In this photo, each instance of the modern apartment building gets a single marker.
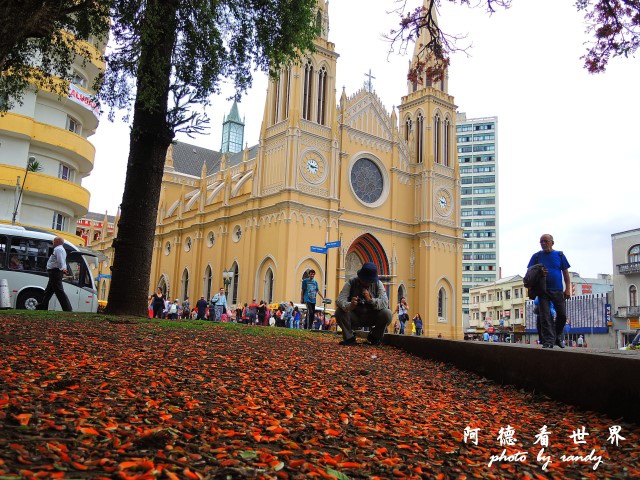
(477, 141)
(50, 132)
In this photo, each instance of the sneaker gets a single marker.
(560, 343)
(349, 341)
(547, 345)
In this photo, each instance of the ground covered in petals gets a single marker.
(95, 397)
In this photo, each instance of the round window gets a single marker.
(367, 180)
(237, 233)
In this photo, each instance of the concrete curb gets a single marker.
(605, 381)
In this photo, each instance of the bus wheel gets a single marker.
(29, 299)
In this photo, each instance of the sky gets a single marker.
(568, 141)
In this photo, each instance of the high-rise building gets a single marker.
(477, 141)
(52, 134)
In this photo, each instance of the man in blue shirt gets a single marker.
(308, 296)
(219, 303)
(556, 268)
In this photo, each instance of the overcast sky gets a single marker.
(568, 141)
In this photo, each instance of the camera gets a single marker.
(361, 301)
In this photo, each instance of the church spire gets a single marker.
(232, 131)
(422, 60)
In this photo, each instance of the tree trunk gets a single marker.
(150, 137)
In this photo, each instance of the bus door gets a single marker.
(78, 283)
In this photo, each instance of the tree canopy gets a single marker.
(36, 47)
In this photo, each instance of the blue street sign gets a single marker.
(318, 249)
(332, 244)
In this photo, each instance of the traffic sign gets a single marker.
(332, 244)
(318, 249)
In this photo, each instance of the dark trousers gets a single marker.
(54, 285)
(157, 310)
(378, 320)
(549, 330)
(311, 313)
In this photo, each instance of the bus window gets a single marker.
(32, 254)
(3, 250)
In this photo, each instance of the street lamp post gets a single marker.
(227, 277)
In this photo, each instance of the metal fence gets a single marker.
(585, 314)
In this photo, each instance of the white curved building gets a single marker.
(52, 131)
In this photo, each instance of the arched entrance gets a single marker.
(366, 248)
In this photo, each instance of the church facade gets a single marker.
(374, 185)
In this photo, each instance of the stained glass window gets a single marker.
(367, 181)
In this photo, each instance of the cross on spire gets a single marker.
(367, 84)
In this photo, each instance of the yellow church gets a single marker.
(332, 183)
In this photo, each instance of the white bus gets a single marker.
(23, 263)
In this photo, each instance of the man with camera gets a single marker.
(363, 302)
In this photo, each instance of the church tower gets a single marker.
(232, 131)
(299, 121)
(427, 127)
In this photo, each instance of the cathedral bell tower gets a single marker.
(299, 123)
(427, 125)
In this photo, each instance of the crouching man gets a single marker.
(363, 302)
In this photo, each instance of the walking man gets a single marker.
(556, 268)
(56, 268)
(308, 296)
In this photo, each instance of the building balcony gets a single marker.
(629, 268)
(68, 143)
(47, 189)
(628, 312)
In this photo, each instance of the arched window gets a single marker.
(268, 286)
(402, 292)
(234, 284)
(103, 290)
(446, 141)
(407, 130)
(306, 91)
(162, 285)
(436, 139)
(286, 79)
(633, 296)
(207, 282)
(634, 254)
(322, 95)
(275, 113)
(319, 21)
(419, 138)
(442, 303)
(184, 286)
